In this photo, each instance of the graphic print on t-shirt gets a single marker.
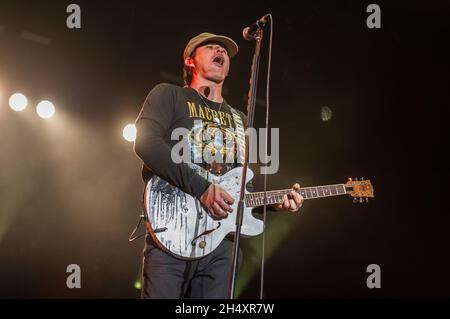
(212, 139)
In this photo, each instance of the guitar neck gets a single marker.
(276, 197)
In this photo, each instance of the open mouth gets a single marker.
(218, 60)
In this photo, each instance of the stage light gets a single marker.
(137, 285)
(326, 113)
(129, 133)
(18, 102)
(45, 109)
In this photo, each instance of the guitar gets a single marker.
(181, 225)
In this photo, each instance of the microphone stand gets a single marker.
(250, 116)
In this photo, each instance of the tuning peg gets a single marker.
(362, 178)
(361, 200)
(356, 179)
(367, 199)
(355, 200)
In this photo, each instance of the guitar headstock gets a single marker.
(361, 190)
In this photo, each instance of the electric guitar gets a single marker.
(181, 225)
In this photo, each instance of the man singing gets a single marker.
(197, 107)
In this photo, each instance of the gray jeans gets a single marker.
(168, 277)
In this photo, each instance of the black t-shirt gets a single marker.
(209, 126)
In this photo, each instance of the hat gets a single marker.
(229, 44)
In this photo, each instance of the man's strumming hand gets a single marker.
(217, 201)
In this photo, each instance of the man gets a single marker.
(167, 107)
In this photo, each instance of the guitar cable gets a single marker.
(261, 292)
(141, 218)
(131, 238)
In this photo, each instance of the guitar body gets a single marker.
(181, 225)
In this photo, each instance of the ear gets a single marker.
(189, 62)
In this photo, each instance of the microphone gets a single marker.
(249, 32)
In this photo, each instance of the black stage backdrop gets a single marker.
(350, 101)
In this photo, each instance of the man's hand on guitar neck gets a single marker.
(293, 203)
(217, 201)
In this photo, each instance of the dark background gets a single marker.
(70, 187)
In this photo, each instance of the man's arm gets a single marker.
(152, 125)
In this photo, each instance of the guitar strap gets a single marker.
(240, 135)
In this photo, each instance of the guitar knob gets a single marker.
(367, 199)
(362, 178)
(356, 178)
(355, 200)
(361, 199)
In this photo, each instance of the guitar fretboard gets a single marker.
(276, 197)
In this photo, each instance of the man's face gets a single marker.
(211, 61)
